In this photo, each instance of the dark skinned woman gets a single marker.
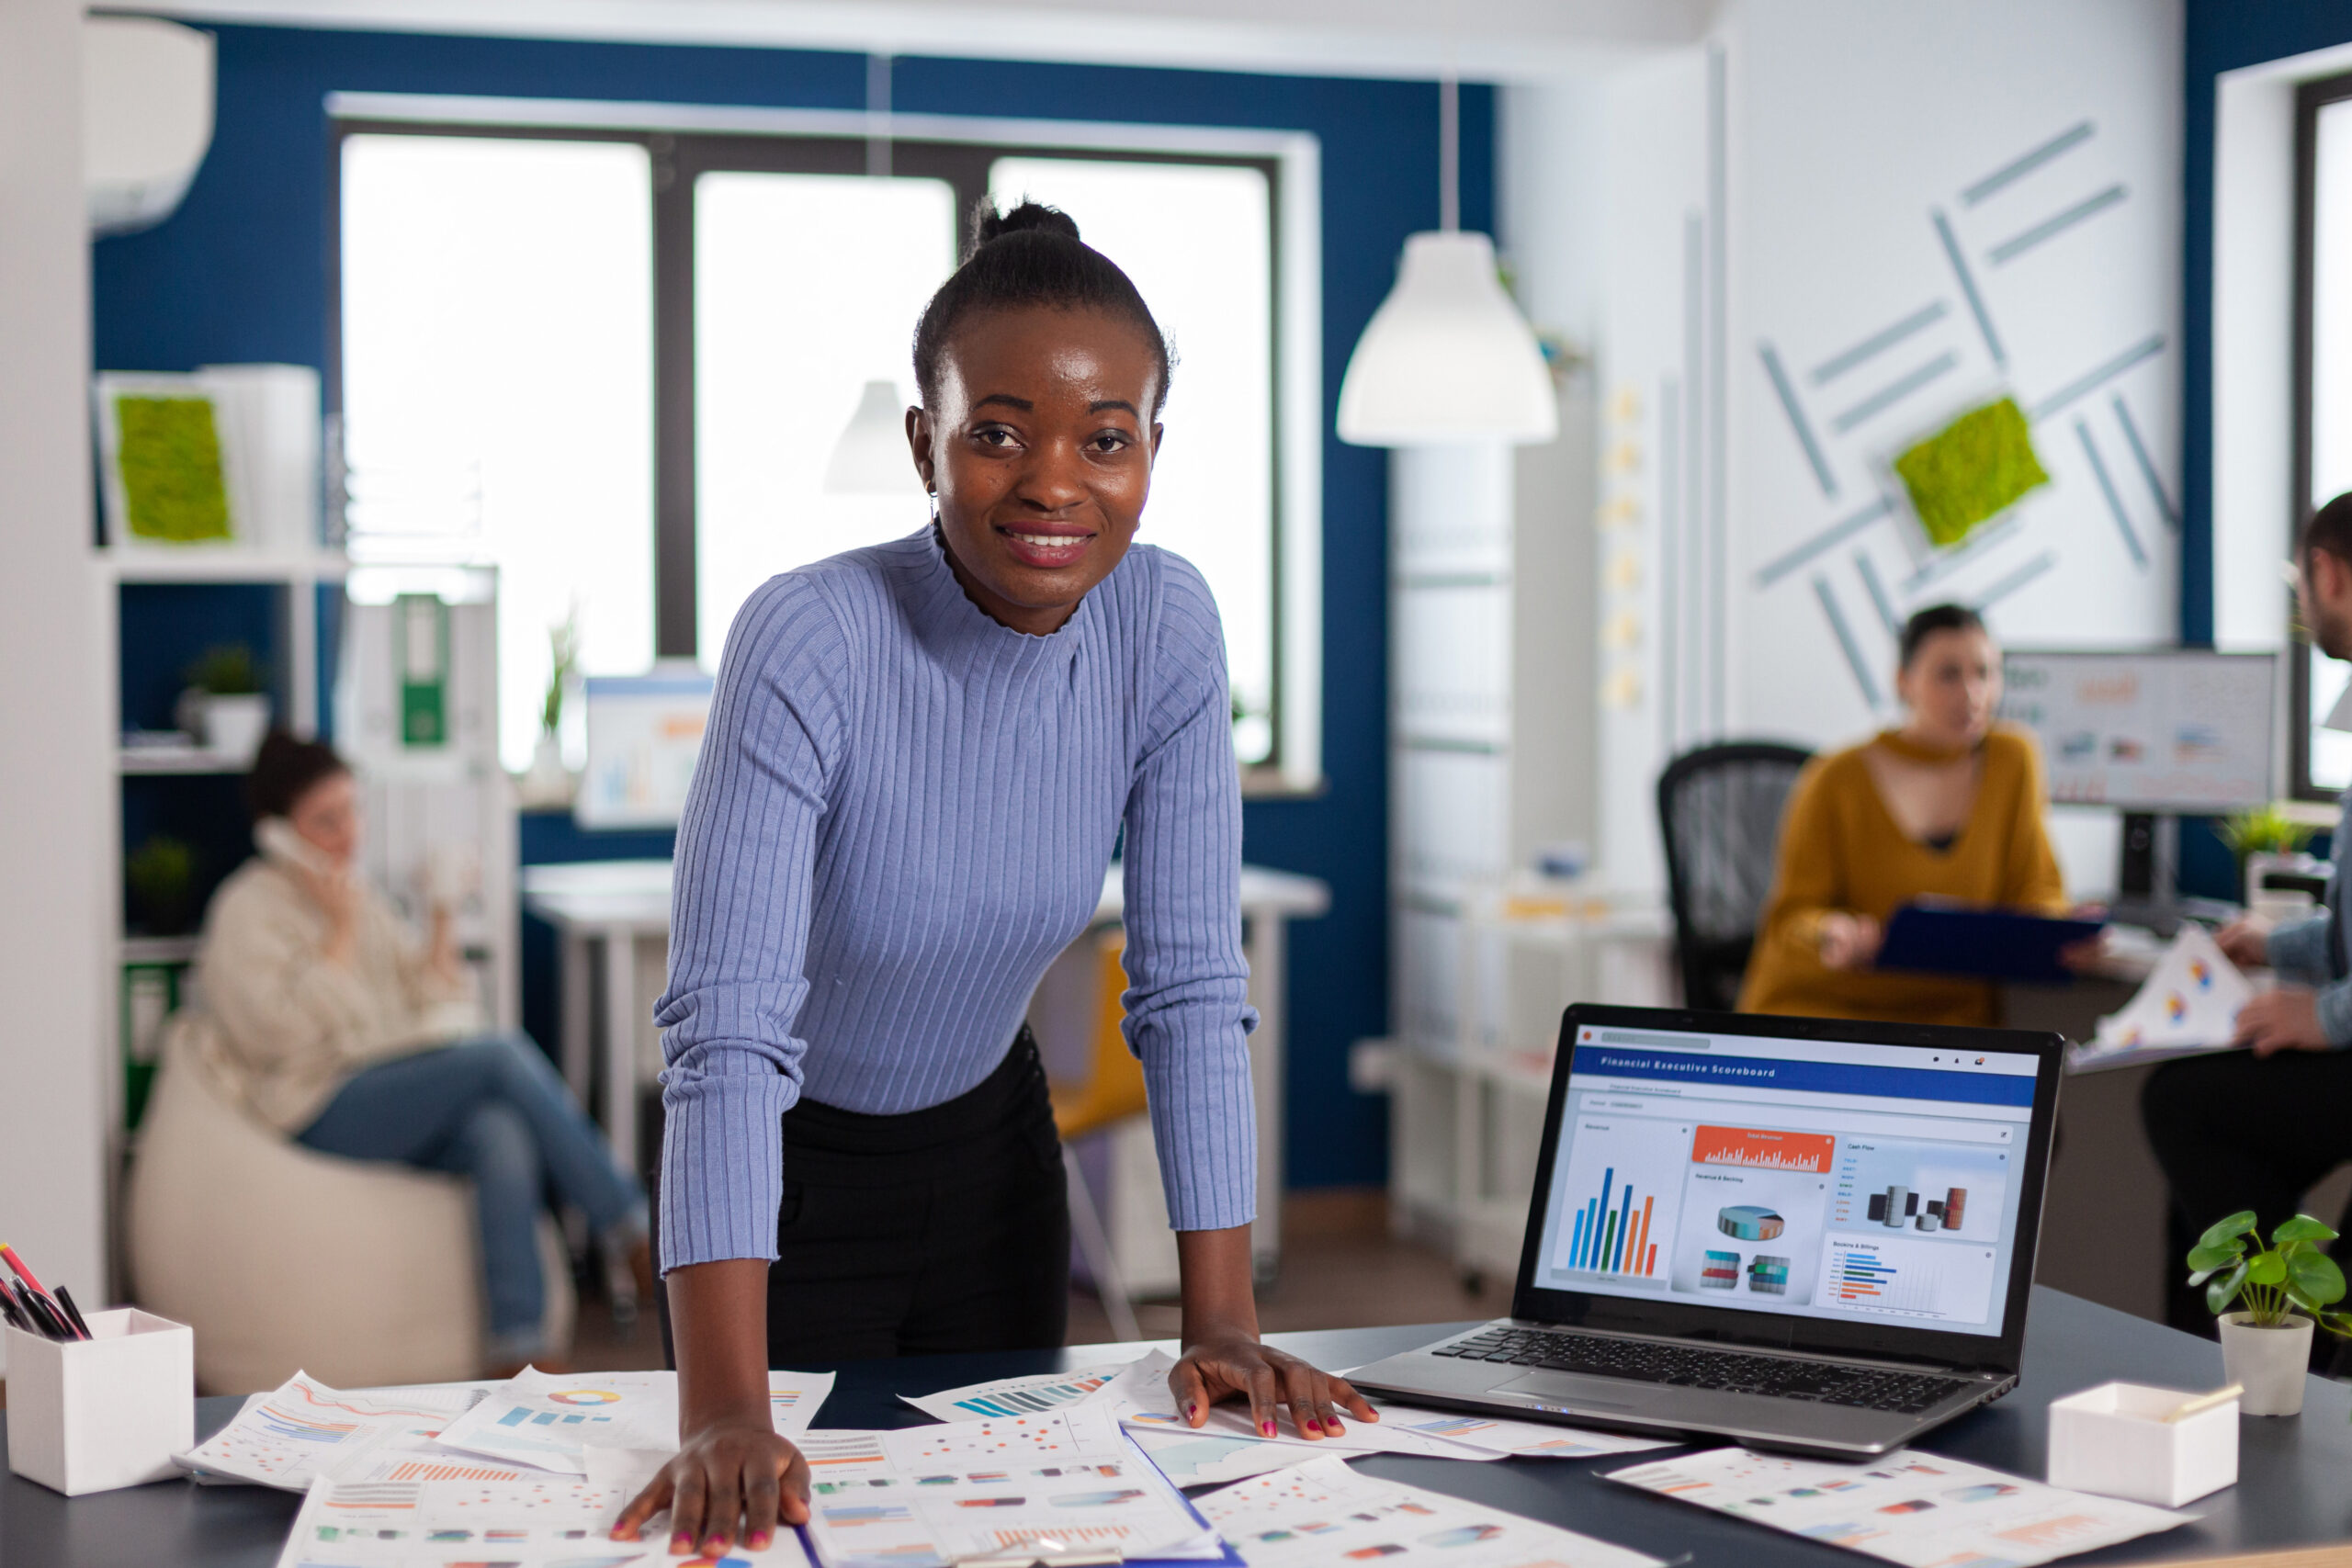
(919, 759)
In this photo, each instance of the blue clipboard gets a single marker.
(1981, 943)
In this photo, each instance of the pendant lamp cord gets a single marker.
(1449, 152)
(877, 115)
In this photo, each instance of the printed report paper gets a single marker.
(1921, 1510)
(542, 1521)
(287, 1436)
(1012, 1396)
(1062, 1480)
(548, 1420)
(1321, 1512)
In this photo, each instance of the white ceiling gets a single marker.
(1483, 39)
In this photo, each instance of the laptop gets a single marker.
(1805, 1234)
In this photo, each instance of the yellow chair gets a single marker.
(1113, 1093)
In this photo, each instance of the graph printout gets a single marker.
(1062, 1480)
(1138, 1399)
(1920, 1511)
(303, 1428)
(544, 1521)
(548, 1420)
(1322, 1512)
(1012, 1396)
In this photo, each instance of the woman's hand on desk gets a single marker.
(730, 1472)
(2283, 1020)
(1848, 941)
(1223, 1365)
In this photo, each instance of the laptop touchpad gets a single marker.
(1600, 1393)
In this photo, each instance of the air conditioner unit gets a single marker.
(146, 118)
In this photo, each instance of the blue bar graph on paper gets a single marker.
(515, 1417)
(573, 1420)
(545, 1419)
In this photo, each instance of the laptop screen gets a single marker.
(1859, 1183)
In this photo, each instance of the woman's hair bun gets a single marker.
(1030, 216)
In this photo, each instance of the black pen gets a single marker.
(32, 1309)
(73, 1312)
(8, 1310)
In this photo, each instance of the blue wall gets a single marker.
(239, 274)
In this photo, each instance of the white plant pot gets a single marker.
(234, 726)
(2270, 1363)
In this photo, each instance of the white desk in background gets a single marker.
(614, 906)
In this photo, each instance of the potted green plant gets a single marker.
(2263, 837)
(548, 782)
(159, 877)
(226, 705)
(2285, 1287)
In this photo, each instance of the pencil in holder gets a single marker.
(92, 1415)
(2127, 1440)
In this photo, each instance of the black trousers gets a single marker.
(2233, 1132)
(938, 1231)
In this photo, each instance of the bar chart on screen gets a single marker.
(1621, 1196)
(1908, 1278)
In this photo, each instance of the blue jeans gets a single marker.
(495, 1109)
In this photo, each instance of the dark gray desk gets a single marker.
(2292, 1489)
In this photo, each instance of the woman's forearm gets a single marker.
(718, 1322)
(1218, 1294)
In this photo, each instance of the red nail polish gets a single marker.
(1267, 1427)
(1191, 1412)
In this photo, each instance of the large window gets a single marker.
(615, 362)
(2321, 759)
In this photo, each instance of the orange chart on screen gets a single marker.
(1768, 1150)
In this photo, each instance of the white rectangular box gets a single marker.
(92, 1415)
(2112, 1441)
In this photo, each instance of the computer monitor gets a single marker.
(644, 735)
(2179, 731)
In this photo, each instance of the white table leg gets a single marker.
(575, 1026)
(620, 1042)
(1262, 946)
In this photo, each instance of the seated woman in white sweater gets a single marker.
(337, 1025)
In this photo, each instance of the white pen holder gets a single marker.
(2113, 1440)
(92, 1415)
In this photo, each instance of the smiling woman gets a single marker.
(919, 758)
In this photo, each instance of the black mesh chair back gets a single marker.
(1719, 810)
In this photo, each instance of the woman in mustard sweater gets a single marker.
(1948, 806)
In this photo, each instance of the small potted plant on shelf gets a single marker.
(2263, 837)
(2286, 1287)
(225, 706)
(160, 876)
(548, 783)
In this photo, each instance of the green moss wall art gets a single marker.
(169, 454)
(1971, 472)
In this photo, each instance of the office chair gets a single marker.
(1112, 1092)
(1719, 811)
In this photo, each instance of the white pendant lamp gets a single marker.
(871, 458)
(1447, 358)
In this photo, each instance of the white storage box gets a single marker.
(92, 1415)
(2113, 1440)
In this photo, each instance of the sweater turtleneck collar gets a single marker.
(1912, 751)
(945, 617)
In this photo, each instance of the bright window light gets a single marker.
(2331, 395)
(498, 386)
(807, 287)
(1197, 238)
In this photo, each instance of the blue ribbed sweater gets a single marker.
(903, 811)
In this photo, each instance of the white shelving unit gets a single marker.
(1492, 719)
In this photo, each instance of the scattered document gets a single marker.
(542, 1521)
(2188, 1006)
(288, 1437)
(1141, 1399)
(1067, 1480)
(1012, 1396)
(1322, 1512)
(1200, 1459)
(550, 1420)
(1917, 1509)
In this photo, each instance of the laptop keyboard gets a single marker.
(1723, 1371)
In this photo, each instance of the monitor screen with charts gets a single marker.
(1867, 1184)
(2180, 730)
